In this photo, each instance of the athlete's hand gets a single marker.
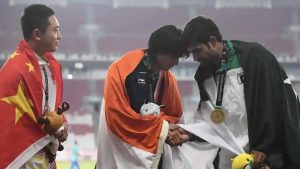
(259, 158)
(177, 136)
(174, 137)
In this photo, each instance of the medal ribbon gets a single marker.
(224, 68)
(152, 77)
(46, 91)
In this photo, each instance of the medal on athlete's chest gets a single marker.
(217, 116)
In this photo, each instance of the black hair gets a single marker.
(35, 17)
(167, 40)
(199, 30)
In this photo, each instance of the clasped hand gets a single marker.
(177, 136)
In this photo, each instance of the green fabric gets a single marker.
(233, 61)
(272, 109)
(148, 62)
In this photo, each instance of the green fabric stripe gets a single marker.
(233, 61)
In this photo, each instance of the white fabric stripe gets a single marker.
(211, 88)
(51, 85)
(224, 132)
(288, 81)
(115, 153)
(30, 151)
(191, 155)
(162, 139)
(234, 131)
(51, 89)
(196, 155)
(105, 158)
(234, 109)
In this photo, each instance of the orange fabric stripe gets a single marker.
(173, 110)
(140, 131)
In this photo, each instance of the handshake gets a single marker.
(177, 136)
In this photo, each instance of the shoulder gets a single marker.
(13, 69)
(253, 51)
(128, 62)
(253, 47)
(131, 57)
(15, 61)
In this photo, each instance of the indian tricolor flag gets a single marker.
(126, 138)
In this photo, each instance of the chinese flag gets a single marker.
(21, 95)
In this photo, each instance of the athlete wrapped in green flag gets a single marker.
(260, 109)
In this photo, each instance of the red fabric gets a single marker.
(140, 131)
(16, 76)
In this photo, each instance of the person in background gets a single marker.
(30, 87)
(74, 156)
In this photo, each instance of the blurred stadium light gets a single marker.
(295, 28)
(62, 3)
(243, 4)
(141, 3)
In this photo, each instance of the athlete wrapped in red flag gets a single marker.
(30, 86)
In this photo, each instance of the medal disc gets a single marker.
(217, 116)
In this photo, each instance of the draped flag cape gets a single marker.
(126, 138)
(21, 96)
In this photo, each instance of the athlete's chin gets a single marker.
(53, 49)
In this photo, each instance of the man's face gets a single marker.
(205, 55)
(50, 38)
(166, 61)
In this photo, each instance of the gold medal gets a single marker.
(217, 116)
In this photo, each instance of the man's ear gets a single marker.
(36, 34)
(212, 43)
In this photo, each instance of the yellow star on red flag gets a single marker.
(30, 67)
(12, 56)
(22, 104)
